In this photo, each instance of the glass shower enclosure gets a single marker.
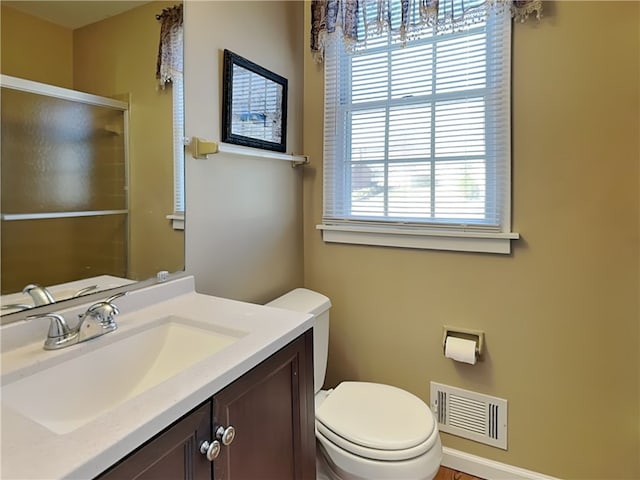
(64, 185)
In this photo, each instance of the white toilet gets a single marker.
(365, 431)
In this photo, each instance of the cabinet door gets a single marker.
(172, 455)
(272, 411)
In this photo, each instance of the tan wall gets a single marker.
(35, 49)
(244, 214)
(118, 56)
(561, 314)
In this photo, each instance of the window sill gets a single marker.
(468, 241)
(177, 220)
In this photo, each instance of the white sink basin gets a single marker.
(71, 394)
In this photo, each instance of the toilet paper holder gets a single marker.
(466, 333)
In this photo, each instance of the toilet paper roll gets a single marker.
(460, 350)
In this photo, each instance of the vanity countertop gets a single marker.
(31, 451)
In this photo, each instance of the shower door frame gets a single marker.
(30, 86)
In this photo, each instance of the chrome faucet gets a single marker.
(40, 295)
(96, 321)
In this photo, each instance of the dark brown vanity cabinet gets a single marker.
(173, 454)
(271, 411)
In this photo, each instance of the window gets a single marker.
(170, 68)
(417, 139)
(178, 151)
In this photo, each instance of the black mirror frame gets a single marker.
(228, 136)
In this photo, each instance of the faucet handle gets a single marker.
(114, 296)
(84, 291)
(13, 306)
(59, 332)
(58, 326)
(104, 311)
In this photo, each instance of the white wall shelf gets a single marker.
(49, 215)
(200, 149)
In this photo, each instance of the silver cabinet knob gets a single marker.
(225, 435)
(210, 450)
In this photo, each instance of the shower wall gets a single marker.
(64, 189)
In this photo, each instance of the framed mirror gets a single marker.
(254, 105)
(87, 48)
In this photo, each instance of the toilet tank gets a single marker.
(308, 301)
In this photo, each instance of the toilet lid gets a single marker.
(376, 416)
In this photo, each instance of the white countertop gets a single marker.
(31, 451)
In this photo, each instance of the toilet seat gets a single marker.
(376, 421)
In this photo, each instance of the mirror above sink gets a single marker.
(111, 55)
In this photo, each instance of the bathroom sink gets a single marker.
(71, 394)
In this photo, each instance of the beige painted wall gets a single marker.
(35, 49)
(244, 215)
(561, 313)
(118, 56)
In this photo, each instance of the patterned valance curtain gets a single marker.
(329, 16)
(170, 48)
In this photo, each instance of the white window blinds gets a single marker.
(178, 143)
(417, 135)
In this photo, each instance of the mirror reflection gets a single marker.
(91, 184)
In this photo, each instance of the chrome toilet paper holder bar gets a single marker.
(466, 333)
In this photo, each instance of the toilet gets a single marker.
(364, 431)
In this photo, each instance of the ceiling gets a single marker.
(73, 14)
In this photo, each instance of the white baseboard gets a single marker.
(485, 468)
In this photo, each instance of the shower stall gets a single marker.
(64, 196)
